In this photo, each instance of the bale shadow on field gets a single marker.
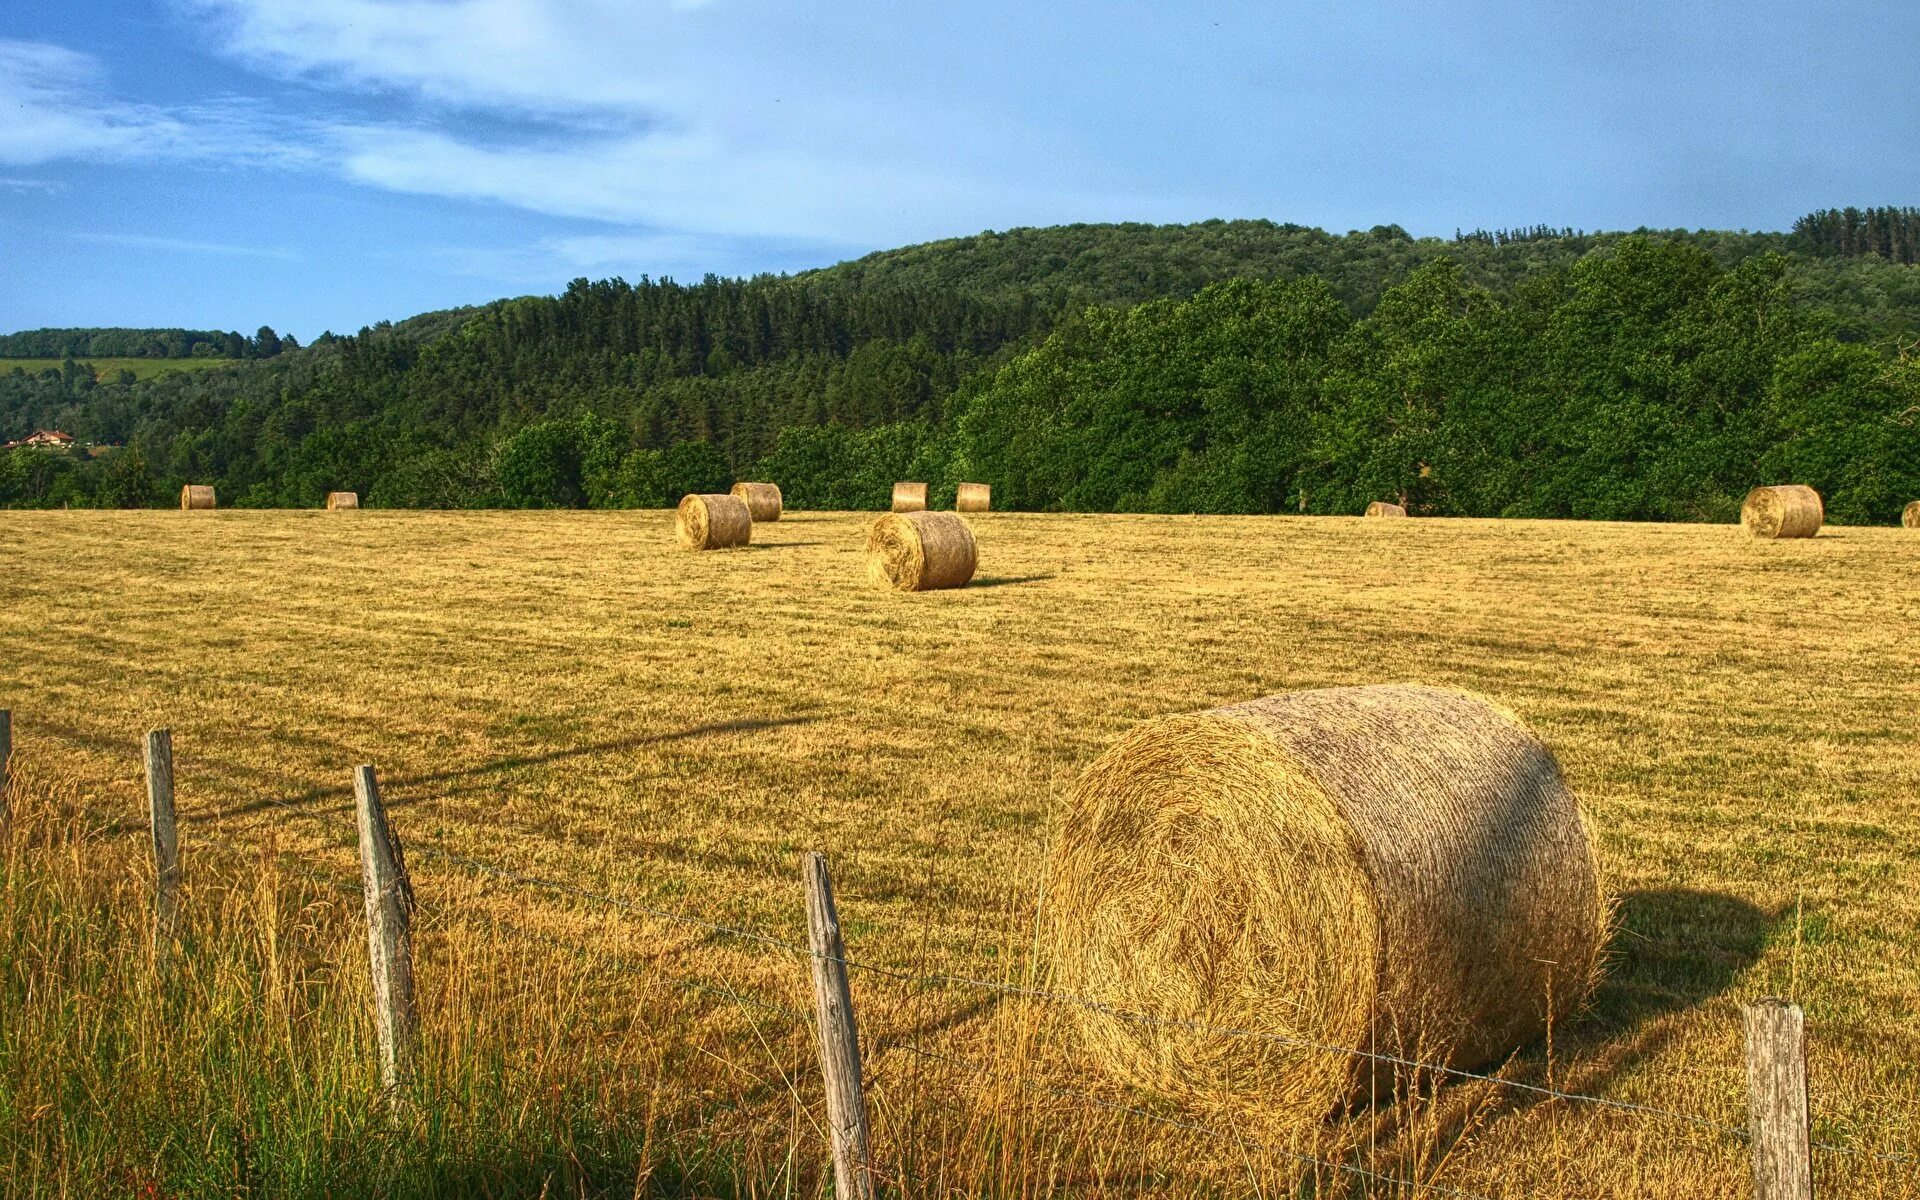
(1671, 951)
(394, 788)
(993, 581)
(776, 545)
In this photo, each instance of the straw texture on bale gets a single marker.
(1910, 516)
(909, 497)
(1393, 869)
(1790, 511)
(713, 522)
(973, 497)
(763, 500)
(1382, 508)
(921, 551)
(197, 495)
(343, 499)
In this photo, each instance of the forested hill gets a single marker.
(1225, 366)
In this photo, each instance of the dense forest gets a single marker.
(1889, 233)
(1221, 367)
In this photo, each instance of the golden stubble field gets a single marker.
(569, 695)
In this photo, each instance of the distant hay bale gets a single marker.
(1910, 516)
(909, 497)
(973, 498)
(1789, 511)
(196, 495)
(763, 500)
(1392, 868)
(1382, 508)
(921, 551)
(343, 499)
(713, 522)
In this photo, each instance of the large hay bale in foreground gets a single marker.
(1910, 516)
(763, 500)
(343, 500)
(713, 522)
(196, 495)
(1397, 869)
(921, 551)
(1383, 508)
(1790, 511)
(973, 498)
(909, 497)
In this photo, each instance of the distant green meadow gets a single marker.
(104, 369)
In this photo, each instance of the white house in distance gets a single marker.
(50, 439)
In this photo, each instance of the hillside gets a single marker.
(1532, 372)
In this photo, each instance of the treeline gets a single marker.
(1648, 376)
(1889, 233)
(142, 343)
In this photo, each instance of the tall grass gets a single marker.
(237, 1061)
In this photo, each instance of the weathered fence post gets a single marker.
(1777, 1096)
(166, 837)
(383, 877)
(839, 1038)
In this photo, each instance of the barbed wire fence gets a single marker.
(1777, 1132)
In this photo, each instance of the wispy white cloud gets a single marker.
(187, 246)
(53, 111)
(59, 107)
(650, 116)
(679, 116)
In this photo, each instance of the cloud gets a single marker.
(587, 55)
(700, 118)
(688, 182)
(661, 118)
(47, 93)
(57, 109)
(185, 246)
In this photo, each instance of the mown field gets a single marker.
(104, 369)
(569, 696)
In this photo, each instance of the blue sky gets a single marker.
(316, 164)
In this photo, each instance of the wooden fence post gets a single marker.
(166, 837)
(1777, 1096)
(389, 896)
(839, 1039)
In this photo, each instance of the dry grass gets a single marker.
(1736, 716)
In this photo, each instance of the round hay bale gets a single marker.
(1398, 870)
(1790, 511)
(713, 522)
(921, 551)
(1910, 516)
(196, 495)
(763, 500)
(343, 499)
(973, 498)
(909, 497)
(1383, 508)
